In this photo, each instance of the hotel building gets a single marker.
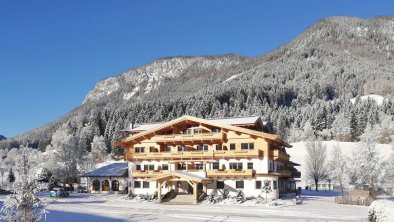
(192, 157)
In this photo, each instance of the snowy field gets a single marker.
(86, 207)
(298, 152)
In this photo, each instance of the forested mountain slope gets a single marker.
(302, 88)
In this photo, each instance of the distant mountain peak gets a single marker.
(2, 137)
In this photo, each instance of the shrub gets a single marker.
(381, 211)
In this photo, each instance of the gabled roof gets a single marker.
(182, 175)
(151, 131)
(235, 121)
(111, 170)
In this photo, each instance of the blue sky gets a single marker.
(53, 52)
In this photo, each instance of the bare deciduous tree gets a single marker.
(316, 161)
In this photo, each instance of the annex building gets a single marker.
(192, 156)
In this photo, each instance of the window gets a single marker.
(239, 184)
(181, 166)
(137, 184)
(164, 167)
(219, 184)
(215, 166)
(139, 149)
(145, 184)
(246, 146)
(275, 185)
(187, 131)
(149, 167)
(181, 148)
(232, 146)
(216, 130)
(258, 184)
(236, 166)
(138, 167)
(218, 147)
(197, 131)
(202, 147)
(198, 166)
(152, 149)
(167, 149)
(250, 165)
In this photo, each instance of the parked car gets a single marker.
(59, 192)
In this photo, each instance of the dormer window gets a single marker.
(197, 131)
(215, 130)
(187, 131)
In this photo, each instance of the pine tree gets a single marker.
(11, 176)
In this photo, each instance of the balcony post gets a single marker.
(159, 192)
(195, 192)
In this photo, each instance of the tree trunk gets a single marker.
(316, 183)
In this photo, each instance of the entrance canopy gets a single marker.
(179, 175)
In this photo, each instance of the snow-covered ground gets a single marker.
(298, 151)
(318, 206)
(377, 98)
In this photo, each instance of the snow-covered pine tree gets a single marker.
(24, 205)
(338, 168)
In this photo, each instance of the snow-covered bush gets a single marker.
(381, 211)
(225, 193)
(240, 196)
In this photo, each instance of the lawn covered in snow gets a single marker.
(298, 152)
(317, 206)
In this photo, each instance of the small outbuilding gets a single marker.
(107, 179)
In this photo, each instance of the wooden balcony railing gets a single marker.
(188, 137)
(280, 156)
(145, 173)
(230, 173)
(284, 171)
(196, 155)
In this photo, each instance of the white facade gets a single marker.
(250, 186)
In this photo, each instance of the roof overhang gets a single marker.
(151, 132)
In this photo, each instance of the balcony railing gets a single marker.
(188, 137)
(280, 155)
(284, 171)
(230, 173)
(197, 155)
(146, 173)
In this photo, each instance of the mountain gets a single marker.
(2, 137)
(310, 79)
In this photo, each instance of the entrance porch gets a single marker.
(181, 183)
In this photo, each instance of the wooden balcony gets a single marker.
(280, 156)
(145, 173)
(230, 173)
(188, 138)
(284, 171)
(196, 155)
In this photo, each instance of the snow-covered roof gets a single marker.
(236, 121)
(111, 170)
(226, 121)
